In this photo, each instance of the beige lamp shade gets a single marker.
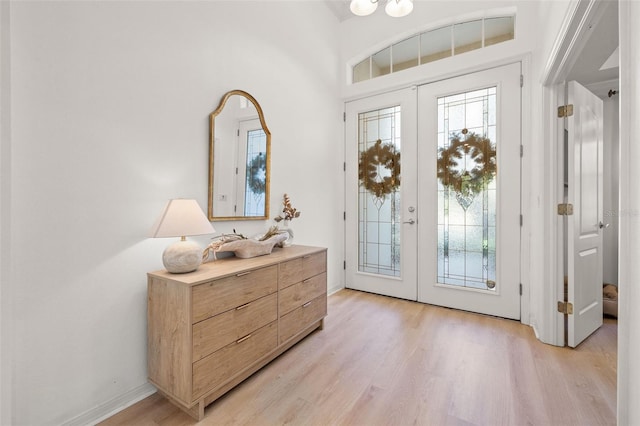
(181, 218)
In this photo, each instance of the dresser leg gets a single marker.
(200, 408)
(197, 411)
(321, 326)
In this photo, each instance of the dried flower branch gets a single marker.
(288, 212)
(270, 233)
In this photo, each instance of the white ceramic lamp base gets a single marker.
(182, 256)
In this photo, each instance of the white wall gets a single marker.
(109, 106)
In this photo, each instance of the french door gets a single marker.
(469, 250)
(443, 226)
(381, 203)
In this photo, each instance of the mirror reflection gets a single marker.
(239, 157)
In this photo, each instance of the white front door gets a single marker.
(445, 227)
(584, 226)
(381, 234)
(469, 192)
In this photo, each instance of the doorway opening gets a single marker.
(587, 56)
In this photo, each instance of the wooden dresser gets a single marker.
(210, 329)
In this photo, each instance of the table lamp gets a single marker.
(181, 218)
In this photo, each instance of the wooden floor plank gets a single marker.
(385, 361)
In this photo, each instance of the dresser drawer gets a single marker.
(216, 369)
(300, 269)
(297, 320)
(300, 293)
(228, 293)
(217, 332)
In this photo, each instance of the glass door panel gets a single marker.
(379, 191)
(466, 167)
(252, 169)
(256, 172)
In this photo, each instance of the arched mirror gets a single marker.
(239, 157)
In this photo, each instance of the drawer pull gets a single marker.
(306, 257)
(243, 274)
(306, 304)
(243, 306)
(243, 339)
(307, 280)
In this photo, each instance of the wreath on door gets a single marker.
(369, 168)
(453, 171)
(257, 174)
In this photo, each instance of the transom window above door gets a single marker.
(435, 44)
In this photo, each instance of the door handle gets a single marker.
(603, 225)
(410, 221)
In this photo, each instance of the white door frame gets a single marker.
(573, 36)
(629, 224)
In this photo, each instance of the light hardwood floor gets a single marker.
(384, 361)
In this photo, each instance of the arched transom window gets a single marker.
(435, 44)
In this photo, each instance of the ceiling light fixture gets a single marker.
(399, 8)
(394, 8)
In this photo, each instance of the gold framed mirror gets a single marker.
(239, 159)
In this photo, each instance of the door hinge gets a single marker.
(238, 132)
(565, 308)
(344, 215)
(344, 264)
(521, 80)
(344, 166)
(520, 289)
(565, 111)
(521, 151)
(565, 209)
(344, 117)
(521, 220)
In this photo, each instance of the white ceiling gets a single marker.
(340, 8)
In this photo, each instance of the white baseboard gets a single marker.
(334, 290)
(109, 408)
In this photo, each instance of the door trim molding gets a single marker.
(571, 39)
(526, 171)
